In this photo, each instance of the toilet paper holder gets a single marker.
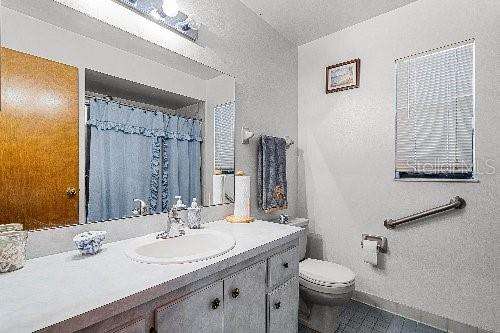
(381, 241)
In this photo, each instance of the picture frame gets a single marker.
(343, 76)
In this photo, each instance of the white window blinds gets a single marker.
(224, 137)
(435, 114)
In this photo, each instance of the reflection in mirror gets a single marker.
(223, 177)
(141, 155)
(90, 132)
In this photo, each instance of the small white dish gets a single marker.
(89, 242)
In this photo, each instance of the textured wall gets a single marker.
(446, 265)
(265, 67)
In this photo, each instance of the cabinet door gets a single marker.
(201, 311)
(283, 307)
(245, 300)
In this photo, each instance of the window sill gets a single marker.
(440, 180)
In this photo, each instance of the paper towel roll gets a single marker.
(242, 196)
(218, 189)
(370, 252)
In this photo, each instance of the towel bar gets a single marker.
(455, 203)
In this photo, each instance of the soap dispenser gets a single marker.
(194, 215)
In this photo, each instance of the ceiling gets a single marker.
(302, 21)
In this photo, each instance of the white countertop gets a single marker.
(51, 289)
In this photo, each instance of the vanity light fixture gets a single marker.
(167, 14)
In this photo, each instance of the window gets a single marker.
(224, 137)
(435, 114)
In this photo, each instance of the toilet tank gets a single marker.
(301, 223)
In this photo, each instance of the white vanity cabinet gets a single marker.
(258, 295)
(238, 303)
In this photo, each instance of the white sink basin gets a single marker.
(195, 245)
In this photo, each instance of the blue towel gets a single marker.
(272, 185)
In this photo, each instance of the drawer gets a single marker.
(282, 266)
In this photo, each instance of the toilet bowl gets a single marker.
(323, 286)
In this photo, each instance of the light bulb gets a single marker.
(170, 8)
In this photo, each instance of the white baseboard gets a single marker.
(421, 316)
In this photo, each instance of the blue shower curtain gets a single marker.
(136, 154)
(181, 161)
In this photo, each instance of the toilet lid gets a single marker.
(325, 273)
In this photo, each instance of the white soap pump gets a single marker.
(194, 215)
(176, 229)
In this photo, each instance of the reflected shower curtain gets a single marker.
(181, 161)
(120, 161)
(136, 154)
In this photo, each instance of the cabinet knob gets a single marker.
(235, 293)
(285, 265)
(277, 305)
(215, 303)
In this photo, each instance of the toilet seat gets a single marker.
(325, 277)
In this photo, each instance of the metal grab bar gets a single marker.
(455, 203)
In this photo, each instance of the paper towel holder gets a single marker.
(381, 241)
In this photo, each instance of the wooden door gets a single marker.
(201, 311)
(245, 301)
(38, 141)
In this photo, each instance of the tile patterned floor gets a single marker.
(357, 317)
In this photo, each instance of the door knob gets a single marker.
(71, 191)
(277, 305)
(285, 265)
(235, 293)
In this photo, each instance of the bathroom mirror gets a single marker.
(93, 130)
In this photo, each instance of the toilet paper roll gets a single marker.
(242, 196)
(218, 189)
(370, 252)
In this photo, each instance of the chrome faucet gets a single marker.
(142, 209)
(174, 225)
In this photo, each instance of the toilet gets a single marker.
(323, 286)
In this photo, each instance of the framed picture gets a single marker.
(342, 76)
